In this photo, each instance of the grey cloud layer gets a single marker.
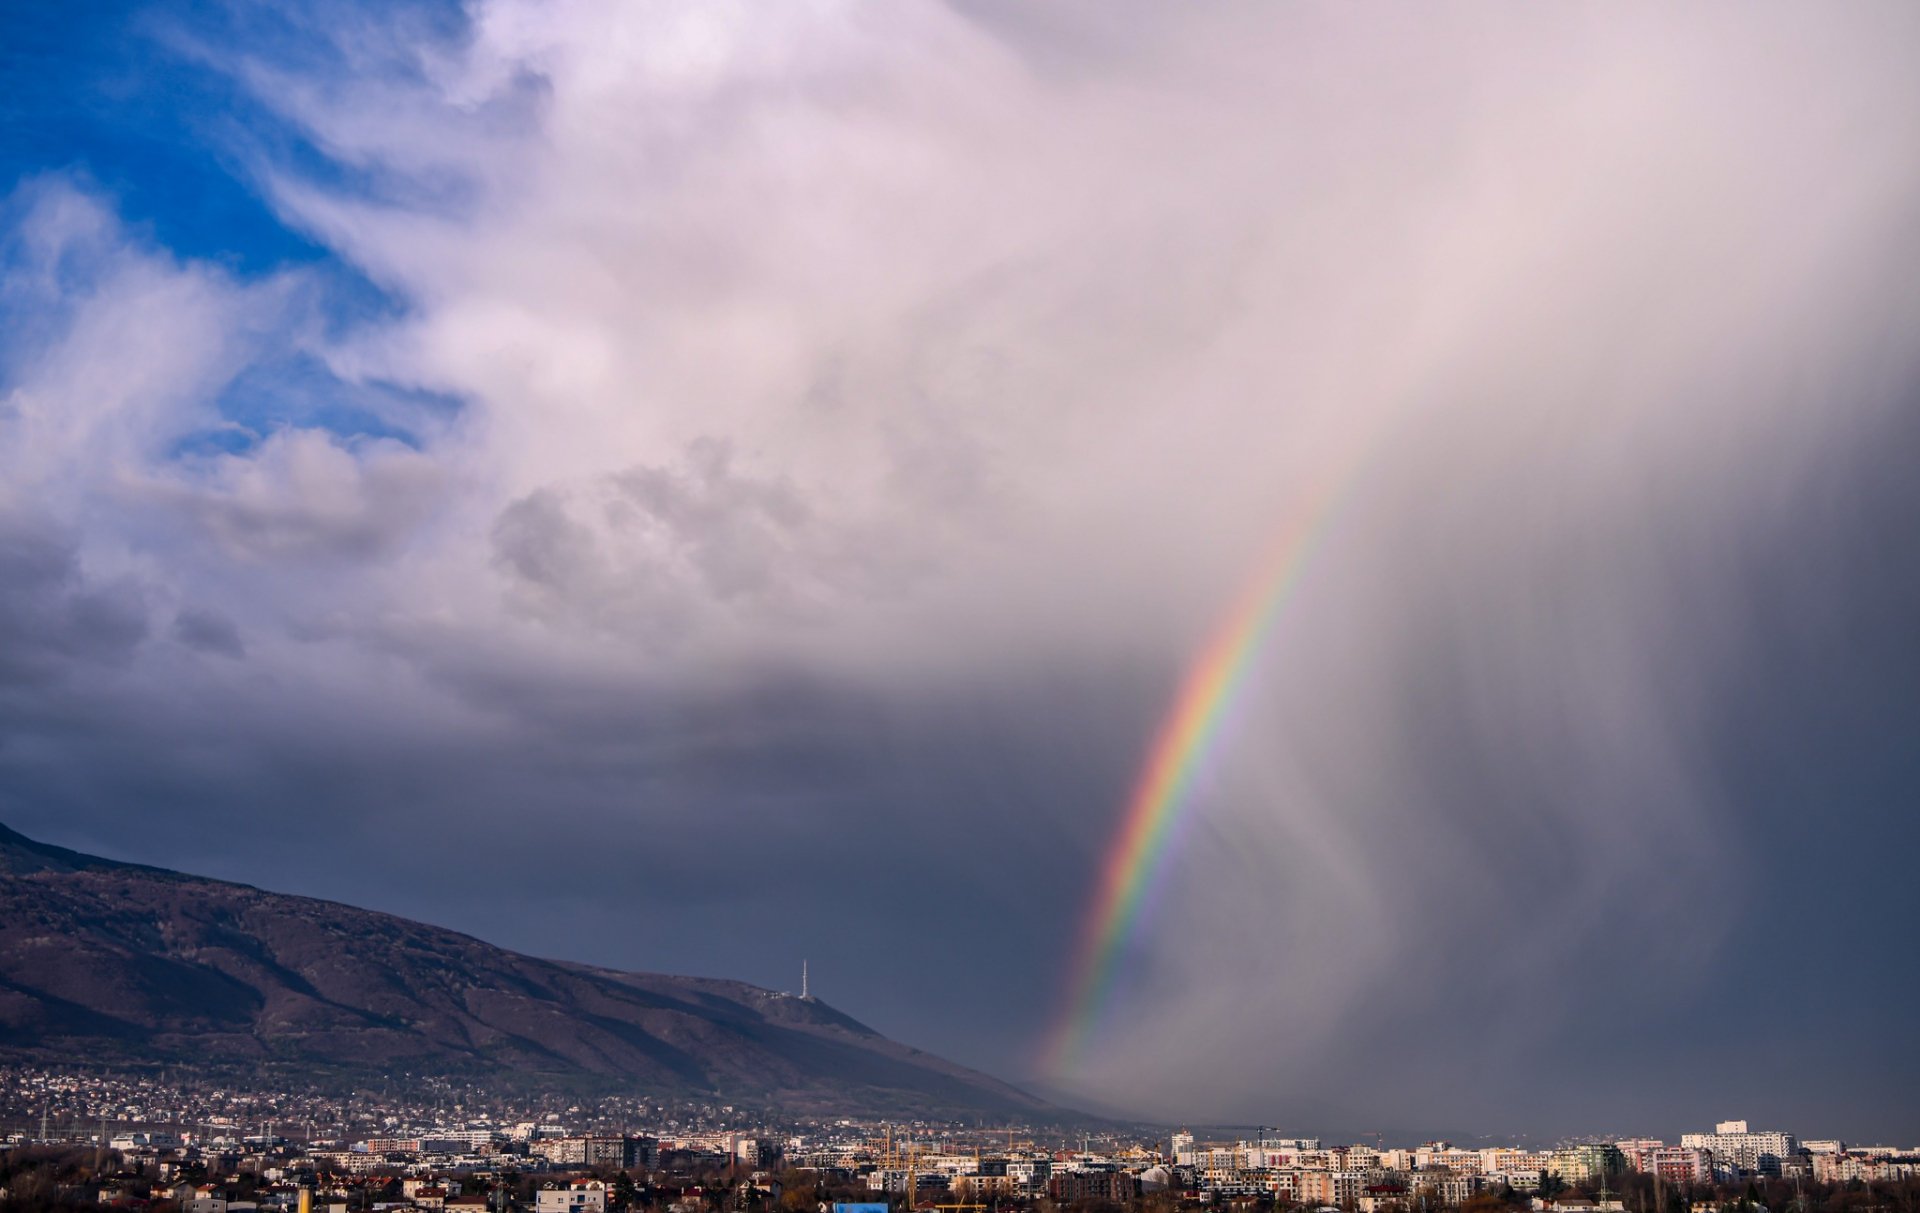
(863, 415)
(50, 615)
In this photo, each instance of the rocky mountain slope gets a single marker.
(114, 963)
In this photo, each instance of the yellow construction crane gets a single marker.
(893, 1160)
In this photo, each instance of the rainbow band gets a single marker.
(1186, 740)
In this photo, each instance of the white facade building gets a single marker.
(581, 1196)
(1732, 1143)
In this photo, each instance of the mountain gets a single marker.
(119, 964)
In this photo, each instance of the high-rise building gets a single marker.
(1733, 1144)
(1183, 1148)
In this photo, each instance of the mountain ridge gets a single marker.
(123, 963)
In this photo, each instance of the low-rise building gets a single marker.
(580, 1196)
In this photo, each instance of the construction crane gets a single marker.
(893, 1160)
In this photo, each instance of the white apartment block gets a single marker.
(1732, 1143)
(1460, 1162)
(1505, 1159)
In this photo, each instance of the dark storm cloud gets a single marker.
(1706, 946)
(728, 834)
(209, 632)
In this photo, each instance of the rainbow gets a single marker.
(1186, 740)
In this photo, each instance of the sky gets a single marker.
(697, 487)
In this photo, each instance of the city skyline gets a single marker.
(1343, 565)
(439, 1131)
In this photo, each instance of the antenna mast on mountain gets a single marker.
(803, 978)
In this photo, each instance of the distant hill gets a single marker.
(115, 963)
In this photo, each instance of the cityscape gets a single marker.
(959, 606)
(138, 1143)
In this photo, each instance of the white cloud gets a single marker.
(301, 494)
